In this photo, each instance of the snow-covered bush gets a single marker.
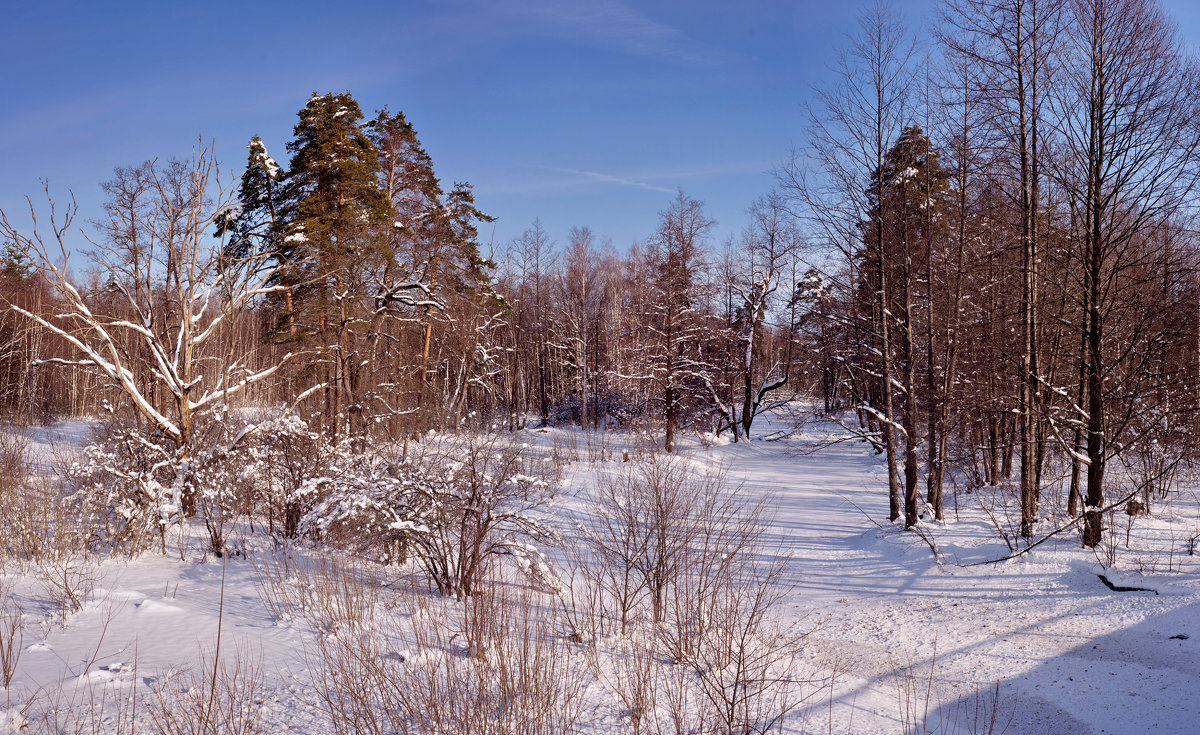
(128, 488)
(746, 657)
(566, 412)
(649, 516)
(278, 458)
(485, 497)
(222, 482)
(613, 407)
(367, 503)
(14, 457)
(131, 483)
(456, 503)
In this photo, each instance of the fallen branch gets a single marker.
(1119, 588)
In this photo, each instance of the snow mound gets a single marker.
(157, 607)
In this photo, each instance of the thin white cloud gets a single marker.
(609, 178)
(609, 24)
(710, 169)
(646, 179)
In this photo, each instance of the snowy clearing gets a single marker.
(897, 640)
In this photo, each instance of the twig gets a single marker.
(212, 693)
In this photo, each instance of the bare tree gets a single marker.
(178, 293)
(768, 246)
(533, 259)
(1009, 43)
(579, 297)
(958, 115)
(1129, 130)
(860, 114)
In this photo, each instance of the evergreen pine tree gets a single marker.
(15, 264)
(334, 217)
(254, 225)
(905, 194)
(335, 208)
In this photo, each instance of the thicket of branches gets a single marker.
(370, 298)
(1013, 280)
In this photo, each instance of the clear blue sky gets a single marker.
(580, 112)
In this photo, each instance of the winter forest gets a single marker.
(290, 445)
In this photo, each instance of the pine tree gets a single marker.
(334, 217)
(254, 224)
(370, 244)
(434, 239)
(904, 197)
(252, 219)
(15, 264)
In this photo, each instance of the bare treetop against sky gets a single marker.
(580, 113)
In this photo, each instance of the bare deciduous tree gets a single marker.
(857, 121)
(178, 296)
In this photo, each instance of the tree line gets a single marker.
(352, 284)
(981, 260)
(1010, 211)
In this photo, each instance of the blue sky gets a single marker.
(578, 112)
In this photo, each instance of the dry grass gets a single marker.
(223, 697)
(411, 663)
(12, 635)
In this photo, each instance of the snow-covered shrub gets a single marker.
(129, 486)
(280, 456)
(52, 541)
(485, 496)
(337, 594)
(14, 483)
(279, 469)
(1155, 463)
(367, 503)
(661, 527)
(131, 483)
(618, 408)
(566, 412)
(648, 518)
(614, 408)
(456, 503)
(633, 678)
(68, 577)
(222, 481)
(745, 656)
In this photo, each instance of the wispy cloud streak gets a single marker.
(610, 179)
(608, 24)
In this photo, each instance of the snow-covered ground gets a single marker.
(912, 641)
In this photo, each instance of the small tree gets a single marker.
(477, 497)
(769, 242)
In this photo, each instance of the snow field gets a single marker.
(896, 639)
